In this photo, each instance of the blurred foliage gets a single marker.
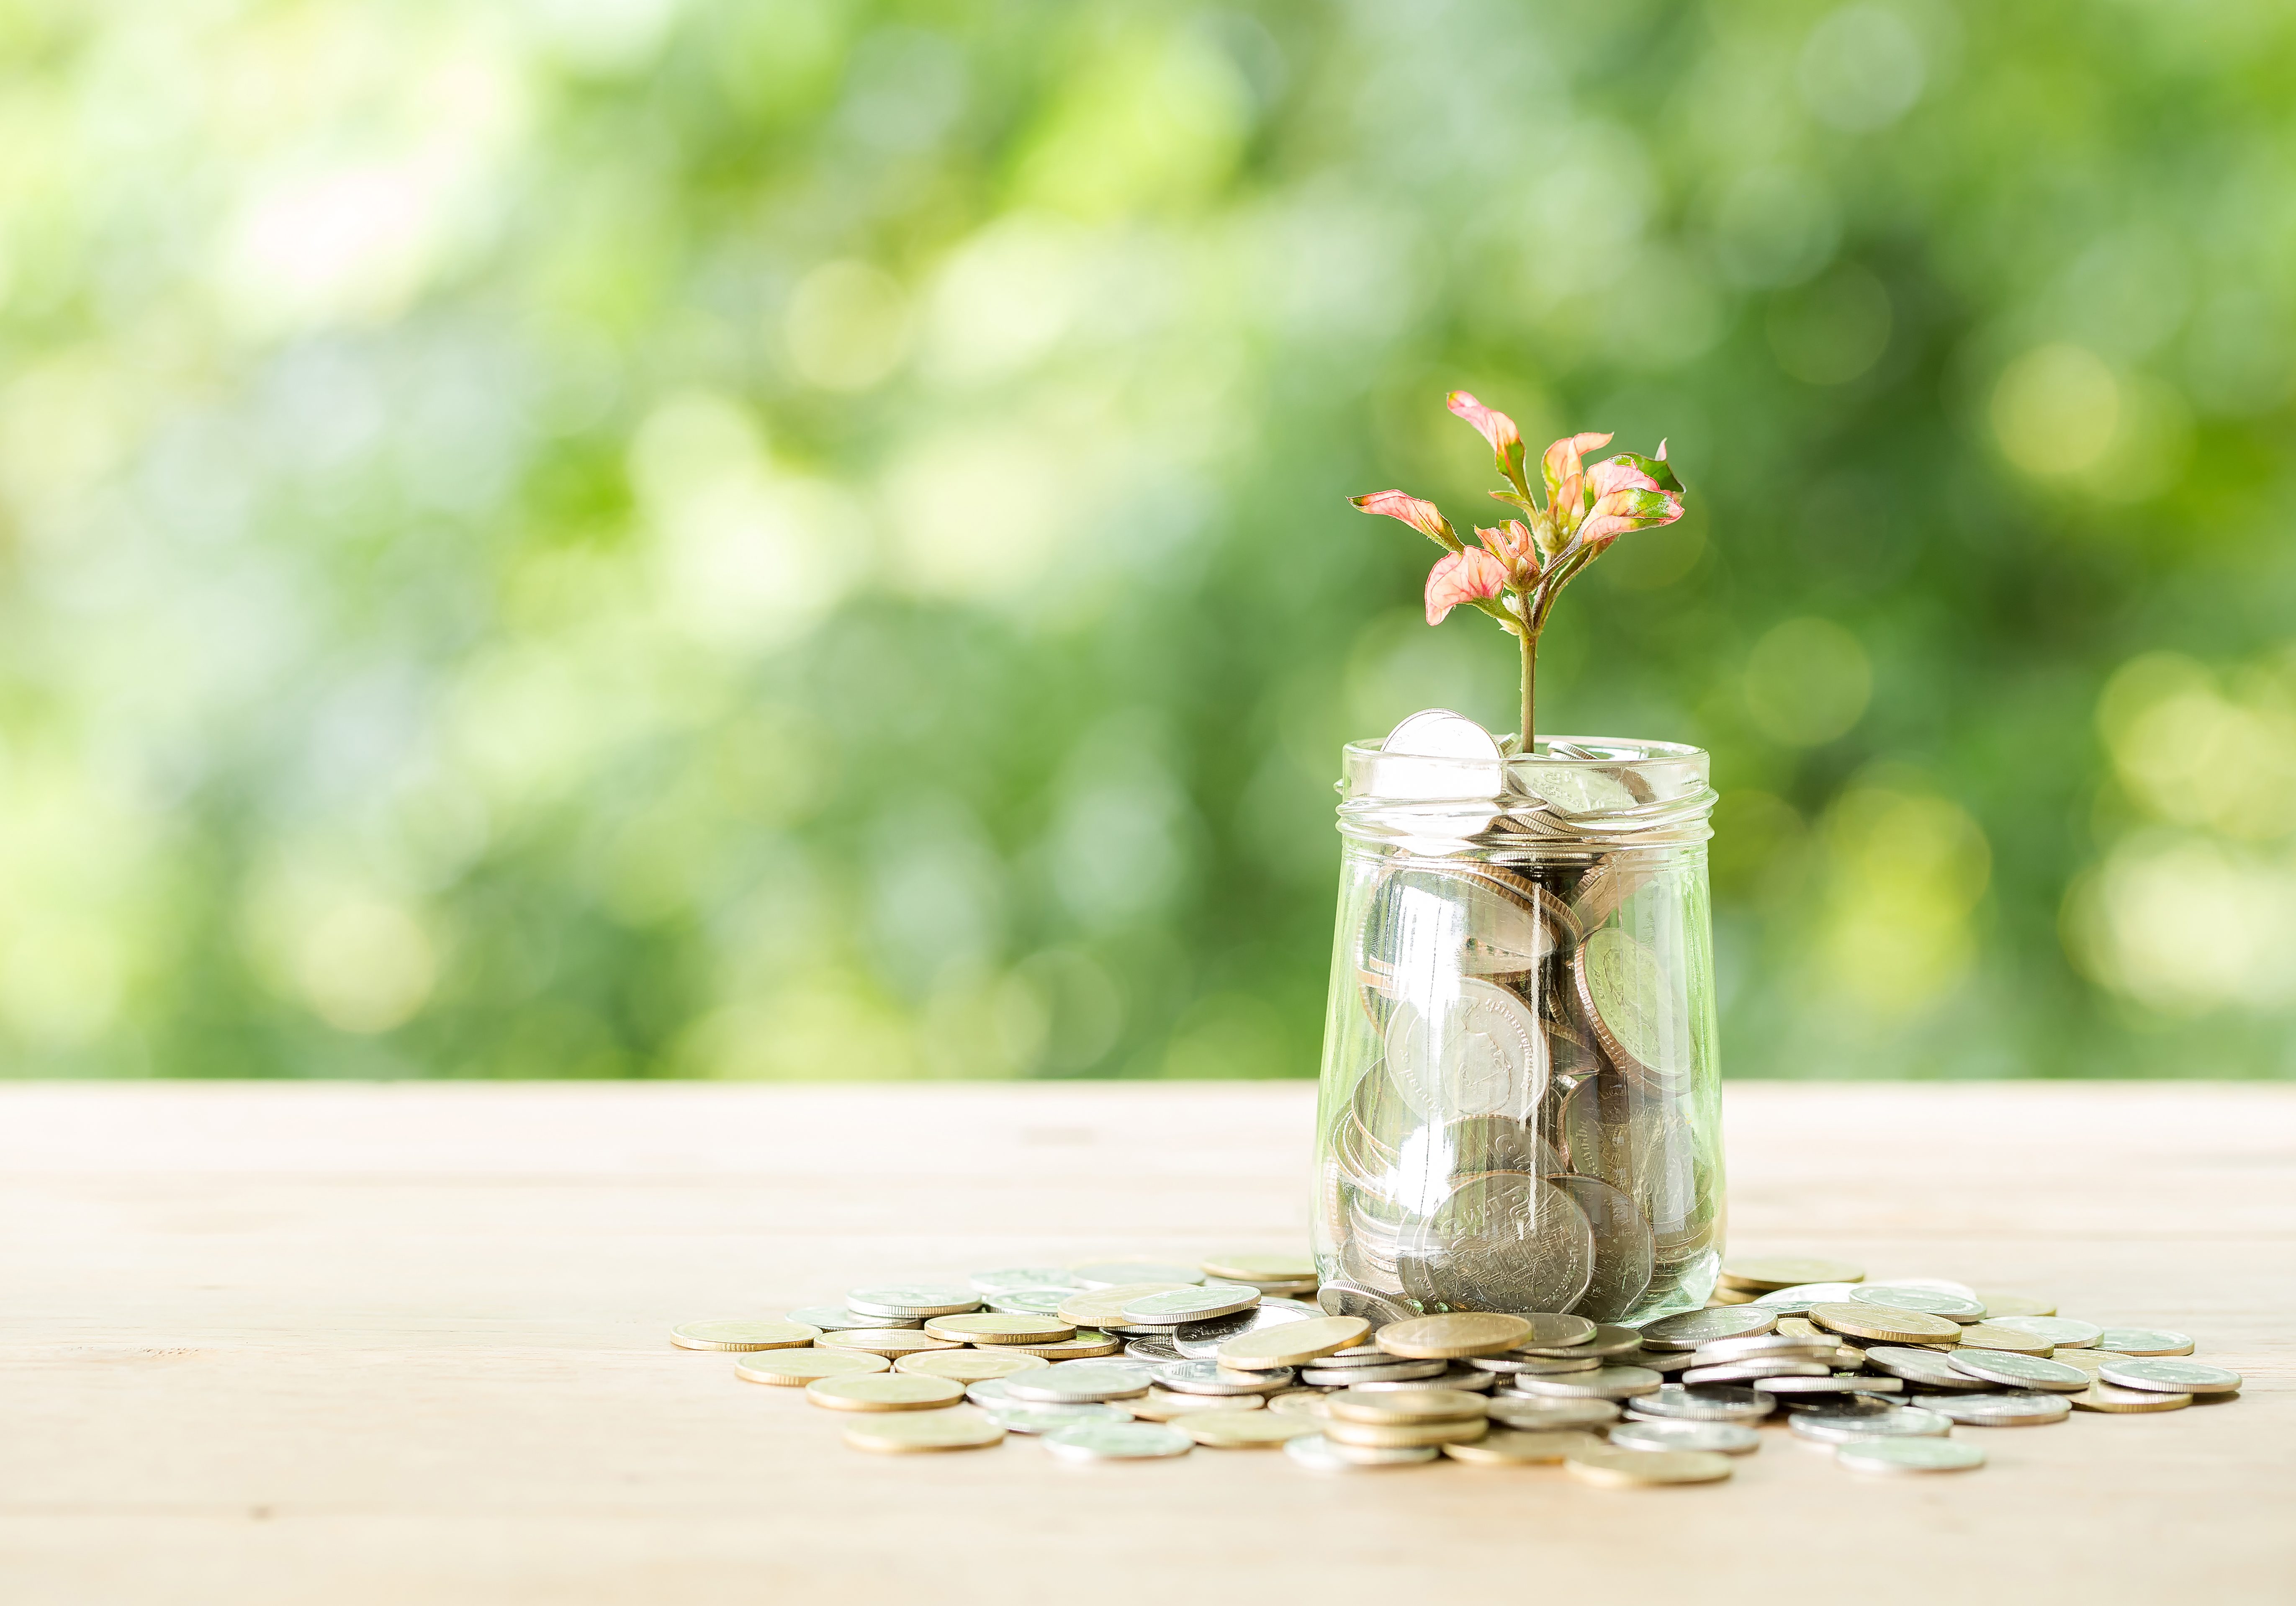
(806, 537)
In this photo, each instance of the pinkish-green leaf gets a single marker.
(1622, 511)
(1422, 516)
(1561, 464)
(1466, 576)
(1496, 428)
(1660, 472)
(1512, 542)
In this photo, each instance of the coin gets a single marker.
(1606, 1382)
(2112, 1398)
(1404, 1435)
(1157, 1350)
(1244, 1430)
(1747, 1372)
(795, 1368)
(2060, 1331)
(1767, 1274)
(1503, 1241)
(1163, 1404)
(1088, 1344)
(1720, 1438)
(1425, 1338)
(2144, 1340)
(1201, 1341)
(1078, 1382)
(1888, 1324)
(2171, 1377)
(1841, 1382)
(1899, 1296)
(1116, 1441)
(887, 1342)
(1404, 1404)
(969, 1365)
(1693, 1328)
(1926, 1368)
(1991, 1335)
(1604, 1341)
(1708, 1403)
(1102, 1274)
(1478, 1051)
(1909, 1455)
(1797, 1300)
(1008, 1279)
(1538, 1365)
(1019, 1416)
(912, 1299)
(1798, 1327)
(918, 1432)
(1999, 1305)
(1633, 1004)
(1632, 1469)
(1210, 1377)
(830, 1318)
(1320, 1454)
(884, 1391)
(1032, 1301)
(1175, 1306)
(742, 1335)
(1103, 1307)
(2021, 1370)
(1536, 1415)
(2012, 1410)
(1902, 1420)
(1837, 1405)
(995, 1328)
(1262, 1268)
(1340, 1299)
(1402, 1371)
(1506, 1446)
(1291, 1343)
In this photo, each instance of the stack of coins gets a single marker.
(1179, 1357)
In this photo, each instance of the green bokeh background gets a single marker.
(787, 539)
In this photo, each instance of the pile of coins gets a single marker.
(1131, 1360)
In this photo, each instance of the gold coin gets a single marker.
(742, 1335)
(1731, 1296)
(2109, 1396)
(1406, 1405)
(1245, 1429)
(1087, 1344)
(2088, 1360)
(795, 1368)
(887, 1342)
(1634, 1469)
(986, 1327)
(1262, 1268)
(968, 1365)
(1403, 1436)
(1766, 1273)
(1885, 1323)
(1447, 1338)
(1104, 1307)
(1300, 1402)
(1984, 1335)
(1797, 1327)
(919, 1433)
(1293, 1343)
(1162, 1404)
(885, 1391)
(1508, 1446)
(2015, 1305)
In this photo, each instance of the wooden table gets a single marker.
(329, 1344)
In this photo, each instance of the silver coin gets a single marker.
(1762, 1346)
(1909, 1455)
(2171, 1377)
(1670, 1362)
(1401, 1371)
(1469, 1379)
(1925, 1368)
(1477, 1049)
(1747, 1372)
(1796, 1301)
(836, 1318)
(1201, 1341)
(1723, 1438)
(1337, 1298)
(990, 1393)
(1017, 1416)
(1032, 1301)
(1210, 1377)
(2144, 1340)
(2005, 1410)
(1078, 1382)
(1551, 1415)
(1624, 1252)
(913, 1300)
(1538, 1365)
(1838, 1405)
(1507, 1241)
(1007, 1279)
(2019, 1371)
(1899, 1422)
(1159, 1351)
(1899, 1296)
(1179, 1304)
(1318, 1453)
(1841, 1382)
(1116, 1274)
(1604, 1382)
(1691, 1329)
(2060, 1331)
(1711, 1403)
(1604, 1341)
(1116, 1441)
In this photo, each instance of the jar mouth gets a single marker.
(1598, 791)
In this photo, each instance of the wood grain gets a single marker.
(406, 1344)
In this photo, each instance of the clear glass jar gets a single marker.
(1521, 1103)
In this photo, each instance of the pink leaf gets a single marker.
(1616, 475)
(1465, 576)
(1563, 461)
(1636, 509)
(1512, 542)
(1422, 516)
(1496, 428)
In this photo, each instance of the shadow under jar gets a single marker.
(1521, 1101)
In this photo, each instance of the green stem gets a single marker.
(1529, 682)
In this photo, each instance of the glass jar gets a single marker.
(1520, 1101)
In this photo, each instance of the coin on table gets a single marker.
(1767, 1274)
(1101, 1275)
(1635, 1468)
(1404, 1435)
(1799, 1327)
(2063, 1333)
(1796, 1301)
(884, 1391)
(1747, 1372)
(1116, 1441)
(1291, 1343)
(1300, 1402)
(1899, 1421)
(1006, 1280)
(1604, 1382)
(1690, 1329)
(1708, 1401)
(1841, 1382)
(1262, 1268)
(830, 1318)
(1765, 1345)
(1720, 1438)
(1341, 1298)
(1551, 1415)
(2014, 1340)
(742, 1335)
(2012, 1410)
(1201, 1341)
(913, 1300)
(1998, 1305)
(2112, 1398)
(1606, 1341)
(1031, 1301)
(1320, 1454)
(1885, 1323)
(2171, 1377)
(1210, 1377)
(887, 1342)
(1157, 1350)
(1838, 1405)
(1103, 1307)
(2087, 1360)
(1506, 1446)
(1085, 1345)
(1404, 1404)
(1909, 1455)
(1537, 1365)
(2020, 1371)
(1622, 989)
(1179, 1305)
(1019, 1416)
(1401, 1371)
(1244, 1430)
(921, 1432)
(1166, 1404)
(1551, 1329)
(991, 1327)
(1924, 1368)
(969, 1365)
(2144, 1340)
(1436, 1338)
(795, 1368)
(1929, 1301)
(1078, 1382)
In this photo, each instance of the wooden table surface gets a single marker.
(339, 1344)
